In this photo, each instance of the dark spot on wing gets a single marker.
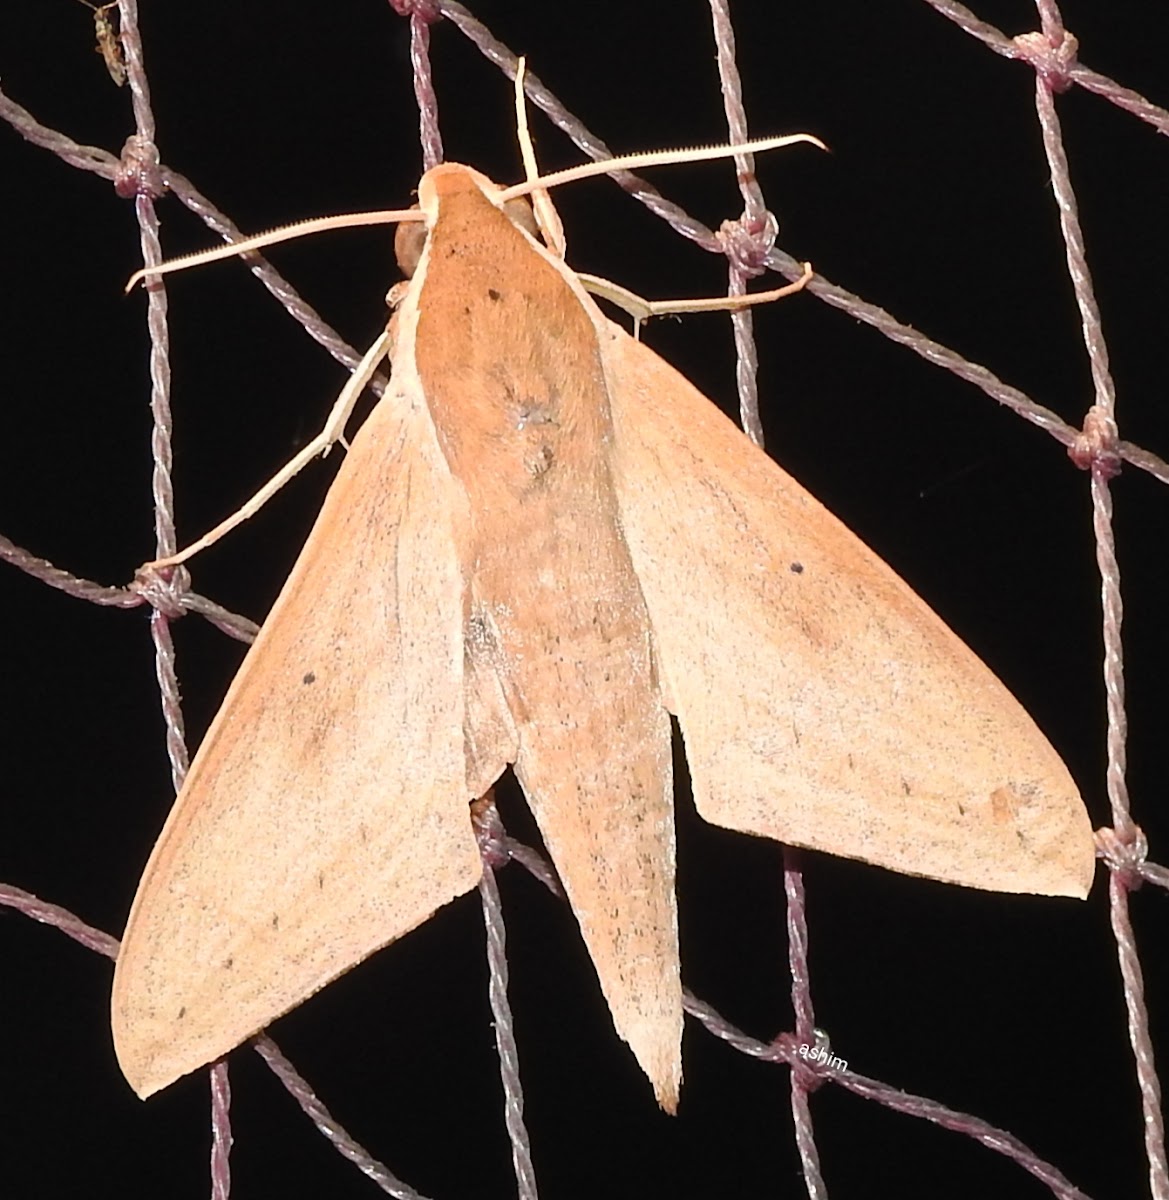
(309, 677)
(540, 462)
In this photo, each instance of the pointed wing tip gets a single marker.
(151, 1061)
(1056, 869)
(150, 1067)
(145, 1088)
(1065, 862)
(1075, 880)
(1069, 884)
(1082, 874)
(143, 1072)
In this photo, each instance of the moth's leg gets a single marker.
(548, 219)
(641, 309)
(332, 432)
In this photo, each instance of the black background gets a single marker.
(934, 203)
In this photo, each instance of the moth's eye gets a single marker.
(408, 244)
(520, 213)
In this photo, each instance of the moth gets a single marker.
(543, 543)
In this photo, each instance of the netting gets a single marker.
(937, 204)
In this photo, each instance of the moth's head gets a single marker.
(445, 182)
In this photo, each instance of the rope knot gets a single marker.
(164, 590)
(138, 172)
(427, 11)
(1053, 60)
(1096, 447)
(1125, 853)
(748, 241)
(804, 1059)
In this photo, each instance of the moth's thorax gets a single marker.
(506, 355)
